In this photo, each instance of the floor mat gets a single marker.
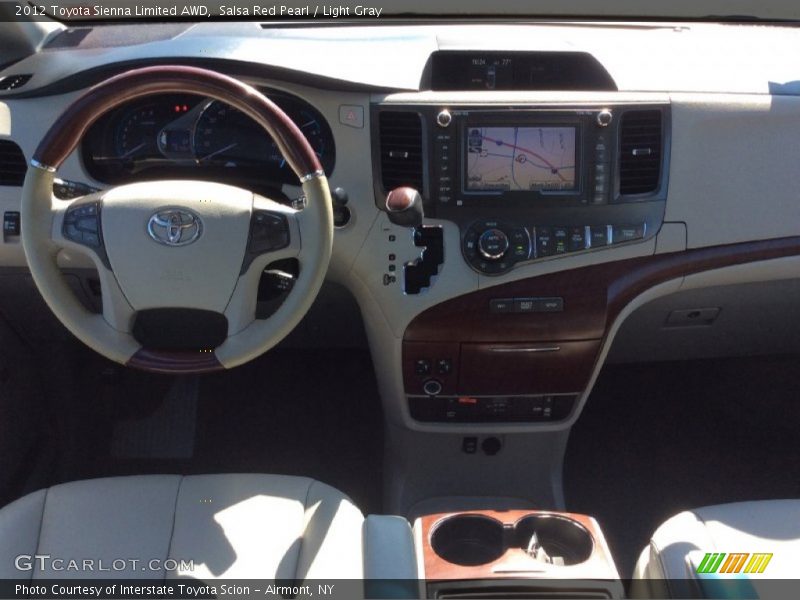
(306, 412)
(166, 433)
(655, 439)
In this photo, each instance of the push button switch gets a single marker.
(268, 232)
(560, 240)
(544, 241)
(501, 305)
(422, 366)
(82, 225)
(627, 233)
(598, 236)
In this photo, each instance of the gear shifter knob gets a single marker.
(404, 207)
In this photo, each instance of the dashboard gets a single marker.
(566, 172)
(187, 136)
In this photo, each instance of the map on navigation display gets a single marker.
(520, 158)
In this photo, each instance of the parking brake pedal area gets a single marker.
(418, 274)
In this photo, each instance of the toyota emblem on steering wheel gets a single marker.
(174, 227)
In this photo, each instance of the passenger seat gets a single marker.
(669, 566)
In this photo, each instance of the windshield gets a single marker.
(383, 10)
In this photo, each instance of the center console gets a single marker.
(519, 553)
(524, 184)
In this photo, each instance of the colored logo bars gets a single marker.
(720, 562)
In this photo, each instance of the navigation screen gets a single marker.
(520, 158)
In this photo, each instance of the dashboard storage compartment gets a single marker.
(536, 368)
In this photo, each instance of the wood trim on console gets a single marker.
(515, 563)
(593, 296)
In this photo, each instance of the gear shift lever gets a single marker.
(404, 207)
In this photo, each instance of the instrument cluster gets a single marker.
(188, 136)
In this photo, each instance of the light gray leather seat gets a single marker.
(211, 526)
(668, 565)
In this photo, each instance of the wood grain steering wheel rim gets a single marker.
(227, 210)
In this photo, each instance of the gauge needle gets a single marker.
(221, 150)
(132, 150)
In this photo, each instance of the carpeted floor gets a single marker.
(298, 412)
(658, 438)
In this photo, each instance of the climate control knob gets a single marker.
(493, 244)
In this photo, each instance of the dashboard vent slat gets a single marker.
(640, 152)
(401, 149)
(12, 164)
(12, 82)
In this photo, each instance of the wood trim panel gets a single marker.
(593, 296)
(550, 368)
(163, 361)
(515, 563)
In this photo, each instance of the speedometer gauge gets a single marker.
(226, 137)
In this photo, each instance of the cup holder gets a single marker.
(562, 540)
(471, 540)
(468, 540)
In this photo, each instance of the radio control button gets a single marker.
(444, 118)
(493, 244)
(604, 118)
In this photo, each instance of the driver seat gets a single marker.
(242, 526)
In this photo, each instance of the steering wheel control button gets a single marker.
(82, 225)
(351, 115)
(268, 232)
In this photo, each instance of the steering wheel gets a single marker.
(196, 246)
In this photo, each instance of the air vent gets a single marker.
(401, 149)
(12, 164)
(640, 152)
(12, 82)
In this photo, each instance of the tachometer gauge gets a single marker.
(138, 130)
